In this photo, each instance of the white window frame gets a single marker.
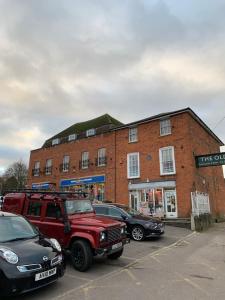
(48, 165)
(129, 176)
(133, 134)
(55, 141)
(101, 156)
(165, 127)
(84, 159)
(66, 161)
(37, 165)
(161, 162)
(90, 132)
(72, 137)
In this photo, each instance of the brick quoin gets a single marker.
(189, 138)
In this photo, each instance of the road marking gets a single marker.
(77, 277)
(116, 272)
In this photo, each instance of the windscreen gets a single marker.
(15, 228)
(78, 206)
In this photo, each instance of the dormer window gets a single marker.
(55, 141)
(72, 137)
(90, 132)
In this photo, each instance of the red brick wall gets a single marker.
(188, 139)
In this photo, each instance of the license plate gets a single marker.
(116, 246)
(45, 274)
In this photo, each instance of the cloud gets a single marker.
(63, 62)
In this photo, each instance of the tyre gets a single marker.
(137, 233)
(81, 255)
(116, 254)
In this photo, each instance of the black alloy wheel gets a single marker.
(81, 255)
(137, 233)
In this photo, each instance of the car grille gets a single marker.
(114, 234)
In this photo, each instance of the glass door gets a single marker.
(134, 201)
(170, 203)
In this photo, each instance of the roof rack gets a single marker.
(33, 191)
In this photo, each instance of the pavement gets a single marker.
(180, 265)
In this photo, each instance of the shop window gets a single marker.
(165, 127)
(34, 209)
(48, 167)
(167, 161)
(133, 165)
(101, 157)
(133, 134)
(84, 160)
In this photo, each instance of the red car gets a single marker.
(71, 219)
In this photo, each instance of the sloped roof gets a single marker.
(81, 127)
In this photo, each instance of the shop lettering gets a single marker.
(210, 160)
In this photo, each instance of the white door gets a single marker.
(134, 201)
(170, 203)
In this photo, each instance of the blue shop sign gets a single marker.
(41, 186)
(86, 180)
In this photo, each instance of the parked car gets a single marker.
(138, 226)
(1, 201)
(28, 260)
(71, 219)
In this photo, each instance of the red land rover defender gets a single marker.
(71, 219)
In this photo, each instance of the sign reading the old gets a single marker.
(215, 159)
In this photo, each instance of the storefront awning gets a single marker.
(80, 181)
(152, 185)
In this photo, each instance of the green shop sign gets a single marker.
(215, 159)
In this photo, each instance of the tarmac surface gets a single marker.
(180, 265)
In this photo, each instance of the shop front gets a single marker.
(94, 185)
(156, 198)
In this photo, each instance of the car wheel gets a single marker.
(81, 255)
(116, 254)
(137, 233)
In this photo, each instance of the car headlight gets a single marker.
(56, 244)
(10, 256)
(123, 230)
(152, 225)
(102, 236)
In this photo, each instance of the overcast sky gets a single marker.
(63, 62)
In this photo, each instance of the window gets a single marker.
(90, 132)
(55, 141)
(115, 212)
(133, 167)
(72, 137)
(36, 170)
(167, 161)
(101, 157)
(84, 160)
(48, 167)
(133, 134)
(65, 166)
(101, 210)
(53, 211)
(165, 127)
(34, 209)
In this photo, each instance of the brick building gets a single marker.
(148, 164)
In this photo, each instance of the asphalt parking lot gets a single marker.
(73, 281)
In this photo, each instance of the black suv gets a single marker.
(28, 260)
(138, 225)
